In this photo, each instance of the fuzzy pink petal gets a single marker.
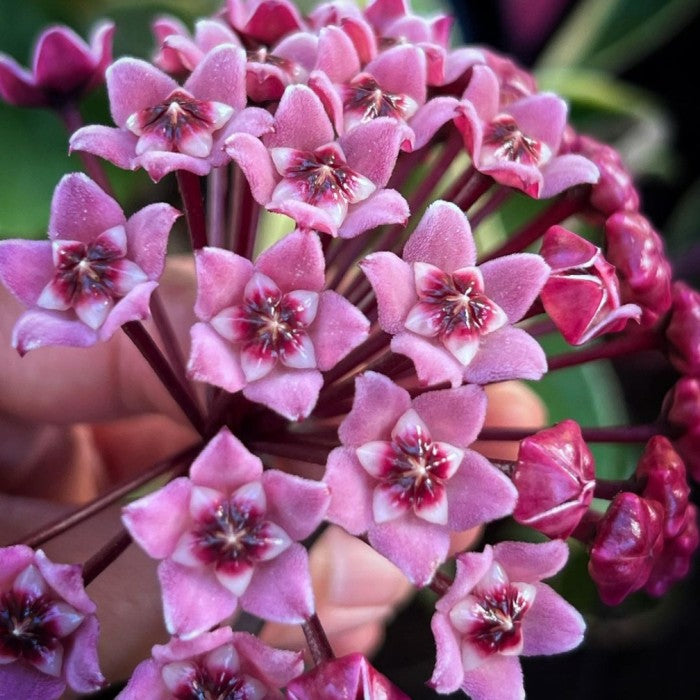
(81, 210)
(378, 404)
(67, 581)
(25, 268)
(434, 364)
(442, 238)
(467, 505)
(566, 171)
(483, 93)
(17, 85)
(281, 588)
(181, 649)
(448, 673)
(290, 392)
(220, 77)
(133, 307)
(80, 664)
(322, 85)
(193, 599)
(394, 287)
(251, 120)
(471, 568)
(147, 234)
(453, 415)
(134, 85)
(145, 682)
(118, 146)
(339, 327)
(351, 489)
(527, 562)
(221, 280)
(541, 116)
(294, 262)
(213, 360)
(158, 164)
(514, 281)
(297, 505)
(500, 678)
(430, 117)
(35, 329)
(308, 216)
(225, 464)
(551, 625)
(414, 545)
(382, 207)
(20, 681)
(336, 55)
(61, 60)
(157, 521)
(273, 666)
(401, 70)
(13, 560)
(508, 353)
(255, 162)
(300, 121)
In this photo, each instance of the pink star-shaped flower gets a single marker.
(452, 318)
(326, 185)
(497, 609)
(228, 536)
(269, 328)
(48, 628)
(406, 477)
(162, 126)
(96, 272)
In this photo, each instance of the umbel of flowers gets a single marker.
(356, 348)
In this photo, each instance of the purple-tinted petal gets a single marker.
(157, 520)
(500, 678)
(25, 268)
(118, 146)
(339, 327)
(297, 505)
(81, 665)
(134, 85)
(146, 681)
(382, 207)
(454, 415)
(434, 364)
(514, 281)
(290, 392)
(220, 77)
(336, 55)
(133, 307)
(275, 667)
(81, 210)
(415, 546)
(442, 238)
(147, 233)
(378, 404)
(351, 488)
(508, 353)
(225, 464)
(17, 86)
(448, 673)
(392, 280)
(541, 117)
(193, 599)
(158, 164)
(213, 360)
(551, 625)
(13, 560)
(67, 581)
(61, 60)
(255, 162)
(281, 588)
(528, 562)
(20, 681)
(401, 70)
(35, 329)
(221, 280)
(430, 117)
(300, 121)
(566, 171)
(294, 262)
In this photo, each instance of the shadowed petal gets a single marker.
(381, 207)
(26, 267)
(336, 55)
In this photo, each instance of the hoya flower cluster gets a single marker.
(356, 347)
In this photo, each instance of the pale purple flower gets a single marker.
(453, 318)
(48, 628)
(64, 68)
(96, 272)
(496, 610)
(518, 143)
(405, 476)
(269, 328)
(335, 187)
(162, 126)
(228, 536)
(218, 664)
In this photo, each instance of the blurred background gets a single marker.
(625, 68)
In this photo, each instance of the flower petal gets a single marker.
(290, 392)
(213, 360)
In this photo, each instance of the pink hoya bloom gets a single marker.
(518, 144)
(163, 127)
(228, 535)
(326, 185)
(264, 20)
(351, 676)
(96, 272)
(496, 610)
(220, 664)
(405, 476)
(683, 330)
(48, 628)
(582, 295)
(555, 478)
(349, 17)
(452, 318)
(269, 328)
(64, 68)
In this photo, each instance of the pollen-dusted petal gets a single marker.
(393, 283)
(220, 78)
(290, 392)
(295, 262)
(387, 503)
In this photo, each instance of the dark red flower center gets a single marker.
(26, 630)
(204, 685)
(509, 143)
(86, 270)
(365, 95)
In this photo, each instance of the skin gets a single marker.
(113, 421)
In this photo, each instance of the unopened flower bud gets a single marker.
(666, 482)
(582, 295)
(628, 542)
(682, 410)
(555, 477)
(683, 332)
(637, 252)
(350, 676)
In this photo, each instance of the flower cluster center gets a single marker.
(85, 269)
(223, 685)
(365, 95)
(273, 322)
(25, 631)
(509, 142)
